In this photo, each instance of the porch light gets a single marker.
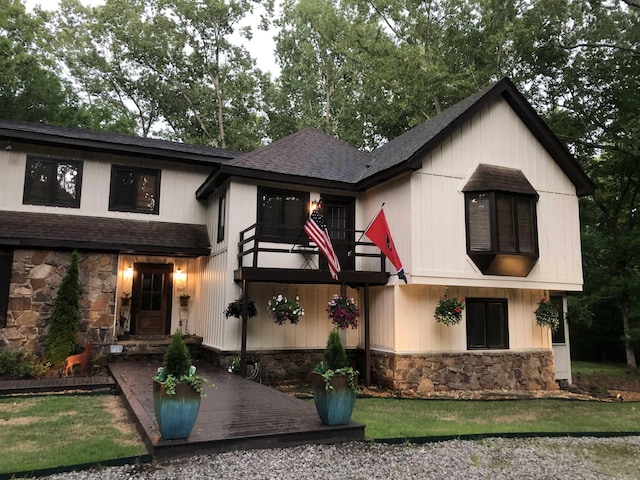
(314, 206)
(180, 278)
(128, 273)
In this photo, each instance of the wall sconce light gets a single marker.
(128, 273)
(180, 278)
(314, 206)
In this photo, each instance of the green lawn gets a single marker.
(394, 418)
(42, 432)
(611, 370)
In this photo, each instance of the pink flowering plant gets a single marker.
(283, 309)
(343, 312)
(449, 310)
(547, 315)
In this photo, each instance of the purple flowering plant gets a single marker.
(343, 312)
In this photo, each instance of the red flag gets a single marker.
(378, 232)
(318, 233)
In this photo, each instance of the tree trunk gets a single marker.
(628, 346)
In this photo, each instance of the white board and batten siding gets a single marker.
(494, 136)
(177, 184)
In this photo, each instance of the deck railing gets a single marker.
(282, 239)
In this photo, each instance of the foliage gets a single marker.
(579, 312)
(547, 314)
(234, 309)
(65, 317)
(399, 418)
(177, 368)
(22, 365)
(64, 431)
(343, 312)
(449, 310)
(283, 309)
(184, 296)
(335, 362)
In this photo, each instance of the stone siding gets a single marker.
(35, 279)
(533, 370)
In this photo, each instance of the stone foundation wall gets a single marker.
(276, 366)
(35, 278)
(422, 374)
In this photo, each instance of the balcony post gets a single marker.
(245, 324)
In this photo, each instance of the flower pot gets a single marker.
(334, 405)
(175, 414)
(126, 301)
(184, 302)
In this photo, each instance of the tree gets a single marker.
(65, 318)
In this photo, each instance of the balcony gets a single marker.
(284, 254)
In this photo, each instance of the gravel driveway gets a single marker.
(496, 458)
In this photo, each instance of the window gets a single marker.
(6, 260)
(558, 335)
(487, 325)
(501, 223)
(53, 182)
(282, 214)
(134, 190)
(221, 215)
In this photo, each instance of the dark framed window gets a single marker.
(54, 182)
(222, 205)
(6, 261)
(134, 190)
(487, 323)
(558, 335)
(282, 214)
(502, 234)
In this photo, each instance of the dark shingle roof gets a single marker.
(500, 179)
(112, 142)
(46, 230)
(307, 153)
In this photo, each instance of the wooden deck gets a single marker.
(238, 414)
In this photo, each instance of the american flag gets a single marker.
(317, 231)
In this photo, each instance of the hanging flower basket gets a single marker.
(449, 310)
(547, 315)
(282, 309)
(343, 312)
(234, 309)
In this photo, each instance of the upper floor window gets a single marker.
(53, 182)
(134, 190)
(501, 226)
(487, 323)
(282, 213)
(222, 202)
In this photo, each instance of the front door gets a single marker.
(339, 215)
(151, 299)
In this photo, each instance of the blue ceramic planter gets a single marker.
(335, 405)
(175, 414)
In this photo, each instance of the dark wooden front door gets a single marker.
(151, 299)
(339, 215)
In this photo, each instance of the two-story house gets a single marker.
(481, 200)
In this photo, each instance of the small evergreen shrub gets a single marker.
(177, 359)
(65, 317)
(22, 365)
(335, 355)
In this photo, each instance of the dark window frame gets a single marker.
(281, 231)
(222, 215)
(27, 195)
(6, 267)
(516, 225)
(486, 303)
(118, 205)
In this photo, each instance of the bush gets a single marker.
(65, 317)
(22, 365)
(335, 356)
(177, 359)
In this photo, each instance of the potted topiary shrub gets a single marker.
(334, 384)
(177, 391)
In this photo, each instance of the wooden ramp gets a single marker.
(238, 414)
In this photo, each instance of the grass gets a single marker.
(610, 370)
(394, 418)
(44, 432)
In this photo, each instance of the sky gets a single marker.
(261, 46)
